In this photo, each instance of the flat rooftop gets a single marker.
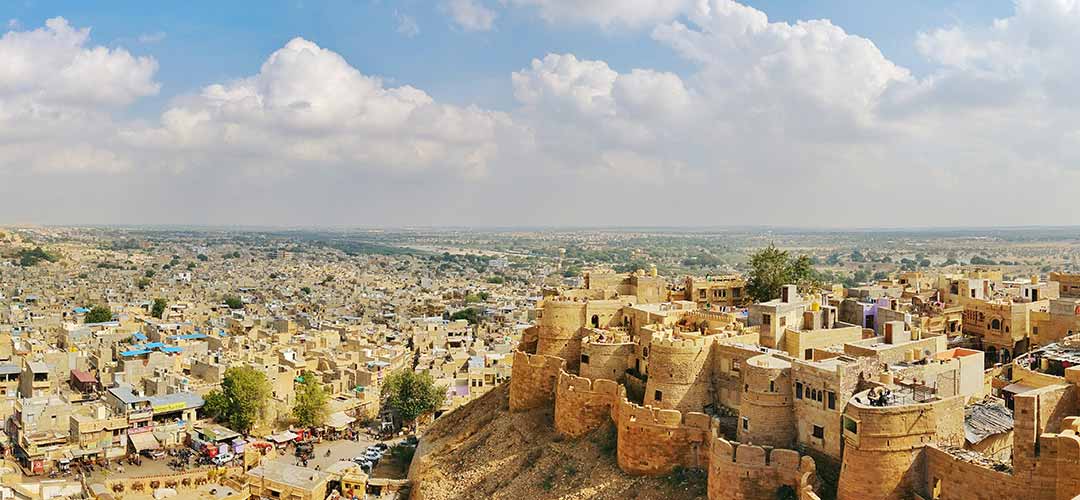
(298, 477)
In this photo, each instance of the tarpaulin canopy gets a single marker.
(144, 441)
(282, 437)
(339, 420)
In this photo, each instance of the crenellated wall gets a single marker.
(582, 405)
(748, 472)
(653, 441)
(533, 379)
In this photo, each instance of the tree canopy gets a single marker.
(159, 308)
(234, 302)
(241, 400)
(412, 394)
(29, 258)
(772, 268)
(471, 314)
(98, 314)
(312, 402)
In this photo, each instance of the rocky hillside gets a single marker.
(481, 450)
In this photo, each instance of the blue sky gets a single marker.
(206, 42)
(539, 112)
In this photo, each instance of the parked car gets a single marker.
(373, 455)
(382, 447)
(411, 440)
(224, 458)
(154, 454)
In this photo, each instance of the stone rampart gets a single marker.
(654, 441)
(748, 472)
(582, 405)
(560, 328)
(679, 373)
(952, 478)
(533, 380)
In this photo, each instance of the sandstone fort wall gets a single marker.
(680, 375)
(748, 472)
(582, 405)
(533, 379)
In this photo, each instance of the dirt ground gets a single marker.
(483, 451)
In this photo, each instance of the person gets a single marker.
(327, 453)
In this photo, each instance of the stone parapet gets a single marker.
(533, 380)
(582, 405)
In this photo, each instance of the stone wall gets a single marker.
(883, 459)
(747, 472)
(559, 329)
(582, 405)
(950, 478)
(654, 441)
(533, 380)
(679, 373)
(607, 360)
(766, 415)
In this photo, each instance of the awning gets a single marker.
(339, 420)
(282, 437)
(144, 441)
(1019, 388)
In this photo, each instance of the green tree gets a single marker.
(772, 268)
(142, 283)
(98, 314)
(312, 402)
(241, 400)
(201, 257)
(159, 308)
(305, 289)
(469, 314)
(234, 302)
(29, 258)
(412, 394)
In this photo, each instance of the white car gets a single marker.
(224, 458)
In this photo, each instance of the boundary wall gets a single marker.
(533, 379)
(582, 405)
(748, 472)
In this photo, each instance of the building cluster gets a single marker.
(939, 387)
(73, 391)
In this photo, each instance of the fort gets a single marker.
(845, 412)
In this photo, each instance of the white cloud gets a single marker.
(470, 15)
(57, 94)
(307, 108)
(53, 66)
(628, 13)
(407, 25)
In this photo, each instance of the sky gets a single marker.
(844, 113)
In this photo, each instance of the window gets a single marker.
(808, 354)
(645, 352)
(772, 386)
(783, 320)
(746, 388)
(766, 320)
(745, 423)
(832, 400)
(658, 396)
(735, 365)
(851, 425)
(819, 432)
(584, 359)
(798, 390)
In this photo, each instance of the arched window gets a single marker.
(995, 324)
(595, 321)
